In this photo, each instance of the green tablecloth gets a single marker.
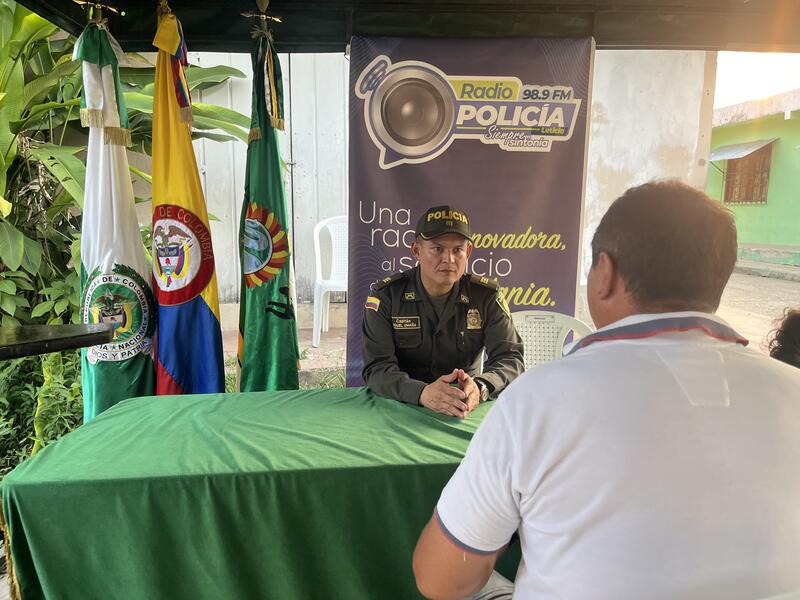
(285, 495)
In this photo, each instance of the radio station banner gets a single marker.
(496, 128)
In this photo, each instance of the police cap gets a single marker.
(439, 220)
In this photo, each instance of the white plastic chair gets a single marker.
(337, 281)
(543, 334)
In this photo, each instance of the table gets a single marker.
(285, 495)
(16, 342)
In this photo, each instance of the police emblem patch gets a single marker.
(409, 296)
(123, 299)
(474, 320)
(372, 303)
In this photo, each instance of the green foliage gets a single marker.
(22, 387)
(231, 365)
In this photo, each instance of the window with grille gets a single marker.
(747, 178)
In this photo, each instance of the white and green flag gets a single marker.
(114, 270)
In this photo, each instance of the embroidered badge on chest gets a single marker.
(409, 296)
(474, 320)
(405, 322)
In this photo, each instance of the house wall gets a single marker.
(651, 119)
(778, 221)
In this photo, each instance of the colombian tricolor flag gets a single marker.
(189, 347)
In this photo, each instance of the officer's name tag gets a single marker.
(405, 322)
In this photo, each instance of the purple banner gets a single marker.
(496, 128)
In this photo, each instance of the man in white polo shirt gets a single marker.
(659, 459)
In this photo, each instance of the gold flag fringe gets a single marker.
(255, 134)
(276, 122)
(186, 114)
(91, 117)
(117, 136)
(13, 584)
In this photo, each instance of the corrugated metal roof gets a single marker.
(738, 150)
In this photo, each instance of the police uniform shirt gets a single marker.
(406, 346)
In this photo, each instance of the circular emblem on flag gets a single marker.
(123, 299)
(265, 244)
(183, 257)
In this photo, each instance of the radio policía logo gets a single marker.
(413, 111)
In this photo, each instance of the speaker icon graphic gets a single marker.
(409, 110)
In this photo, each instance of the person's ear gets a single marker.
(605, 274)
(415, 249)
(469, 249)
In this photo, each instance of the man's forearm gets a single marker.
(394, 384)
(502, 370)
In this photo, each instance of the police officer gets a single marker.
(425, 329)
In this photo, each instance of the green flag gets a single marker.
(115, 276)
(268, 353)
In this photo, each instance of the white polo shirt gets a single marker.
(661, 460)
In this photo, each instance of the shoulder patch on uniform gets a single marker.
(501, 301)
(382, 283)
(372, 303)
(484, 281)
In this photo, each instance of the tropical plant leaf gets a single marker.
(5, 205)
(197, 78)
(75, 252)
(11, 110)
(215, 137)
(12, 245)
(201, 78)
(220, 113)
(139, 102)
(7, 304)
(137, 77)
(6, 22)
(146, 176)
(37, 112)
(23, 284)
(41, 61)
(28, 28)
(37, 90)
(65, 167)
(61, 204)
(10, 321)
(225, 126)
(42, 308)
(8, 287)
(32, 256)
(204, 116)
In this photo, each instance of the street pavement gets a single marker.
(754, 305)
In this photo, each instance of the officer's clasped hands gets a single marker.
(444, 397)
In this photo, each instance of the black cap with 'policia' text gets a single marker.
(439, 220)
